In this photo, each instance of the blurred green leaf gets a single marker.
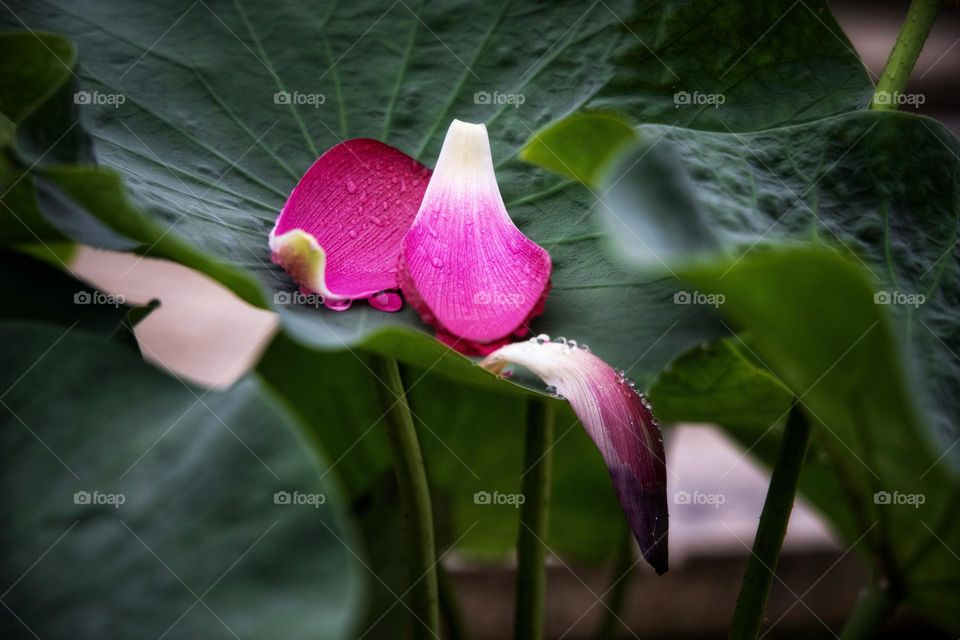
(811, 316)
(200, 546)
(580, 146)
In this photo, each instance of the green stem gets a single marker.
(449, 607)
(903, 56)
(781, 493)
(873, 607)
(622, 572)
(531, 551)
(414, 496)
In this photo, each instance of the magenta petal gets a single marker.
(466, 268)
(340, 231)
(618, 420)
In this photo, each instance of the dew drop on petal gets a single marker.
(351, 186)
(353, 233)
(436, 262)
(337, 305)
(542, 338)
(389, 301)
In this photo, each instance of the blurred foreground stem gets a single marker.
(773, 526)
(414, 496)
(903, 56)
(873, 607)
(622, 572)
(531, 548)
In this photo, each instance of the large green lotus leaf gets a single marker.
(201, 143)
(198, 545)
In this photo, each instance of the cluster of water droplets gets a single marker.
(568, 345)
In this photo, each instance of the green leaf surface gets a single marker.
(212, 154)
(135, 506)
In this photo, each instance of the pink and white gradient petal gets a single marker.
(340, 231)
(619, 421)
(465, 267)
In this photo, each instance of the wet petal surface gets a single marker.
(618, 419)
(340, 231)
(466, 268)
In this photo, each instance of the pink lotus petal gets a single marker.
(619, 421)
(340, 231)
(466, 268)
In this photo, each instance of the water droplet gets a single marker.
(436, 262)
(377, 221)
(585, 348)
(351, 186)
(542, 338)
(353, 233)
(389, 301)
(552, 390)
(386, 206)
(403, 186)
(394, 179)
(572, 344)
(338, 305)
(560, 340)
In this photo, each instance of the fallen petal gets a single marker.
(340, 231)
(619, 421)
(466, 268)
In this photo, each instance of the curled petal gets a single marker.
(339, 232)
(618, 420)
(466, 268)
